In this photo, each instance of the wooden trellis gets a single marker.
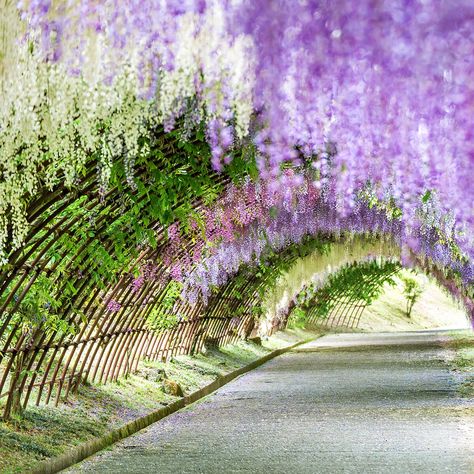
(347, 308)
(43, 363)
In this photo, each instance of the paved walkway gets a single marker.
(348, 403)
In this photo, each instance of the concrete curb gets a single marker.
(91, 447)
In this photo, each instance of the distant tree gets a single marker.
(412, 291)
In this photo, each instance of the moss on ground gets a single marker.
(42, 433)
(460, 347)
(47, 431)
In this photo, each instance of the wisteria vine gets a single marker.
(253, 221)
(375, 98)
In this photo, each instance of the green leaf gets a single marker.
(426, 197)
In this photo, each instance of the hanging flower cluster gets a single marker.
(251, 221)
(91, 81)
(376, 97)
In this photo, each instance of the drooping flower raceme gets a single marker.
(249, 221)
(374, 94)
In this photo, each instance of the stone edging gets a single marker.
(91, 447)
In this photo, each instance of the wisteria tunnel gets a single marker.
(180, 175)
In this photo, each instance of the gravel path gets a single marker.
(347, 403)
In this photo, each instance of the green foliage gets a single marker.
(368, 194)
(297, 318)
(356, 283)
(257, 312)
(172, 294)
(162, 317)
(96, 239)
(39, 308)
(412, 291)
(159, 320)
